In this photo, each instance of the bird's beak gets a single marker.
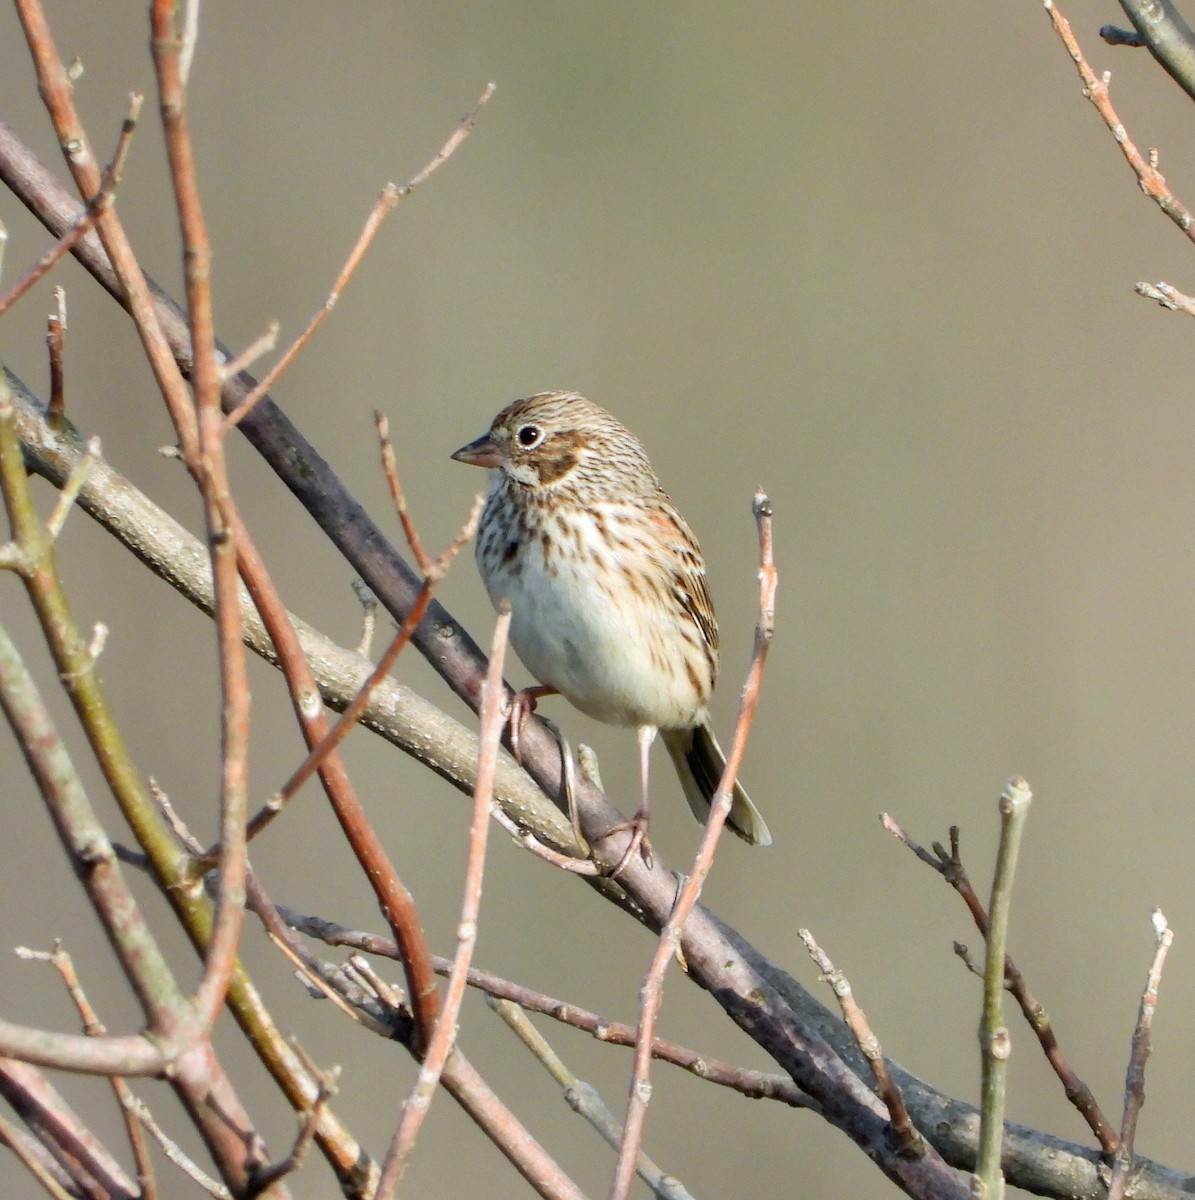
(484, 452)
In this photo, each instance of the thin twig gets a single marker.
(352, 712)
(61, 961)
(651, 992)
(907, 1137)
(318, 983)
(383, 206)
(55, 341)
(260, 345)
(1167, 296)
(390, 469)
(208, 466)
(949, 865)
(1134, 1084)
(97, 205)
(758, 1085)
(1152, 181)
(369, 616)
(71, 489)
(415, 1110)
(176, 1154)
(529, 842)
(584, 1099)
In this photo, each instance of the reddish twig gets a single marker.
(64, 1144)
(55, 339)
(57, 95)
(390, 469)
(651, 992)
(908, 1139)
(1134, 1084)
(36, 1160)
(383, 206)
(1152, 181)
(444, 1038)
(91, 214)
(395, 901)
(61, 961)
(352, 713)
(210, 472)
(950, 866)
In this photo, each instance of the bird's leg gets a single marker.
(568, 779)
(521, 704)
(641, 821)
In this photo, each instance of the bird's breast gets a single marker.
(594, 615)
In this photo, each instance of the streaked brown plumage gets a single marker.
(609, 601)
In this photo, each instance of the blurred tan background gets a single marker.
(879, 259)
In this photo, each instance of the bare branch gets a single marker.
(651, 992)
(383, 206)
(444, 1037)
(910, 1141)
(1134, 1085)
(1152, 182)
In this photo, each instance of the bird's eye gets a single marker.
(529, 435)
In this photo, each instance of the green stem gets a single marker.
(994, 1039)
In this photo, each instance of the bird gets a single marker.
(610, 606)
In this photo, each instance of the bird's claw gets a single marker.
(638, 825)
(520, 706)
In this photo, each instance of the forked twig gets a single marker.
(758, 1085)
(459, 1078)
(949, 865)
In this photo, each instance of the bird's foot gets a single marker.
(638, 825)
(522, 704)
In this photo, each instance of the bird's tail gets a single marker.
(700, 762)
